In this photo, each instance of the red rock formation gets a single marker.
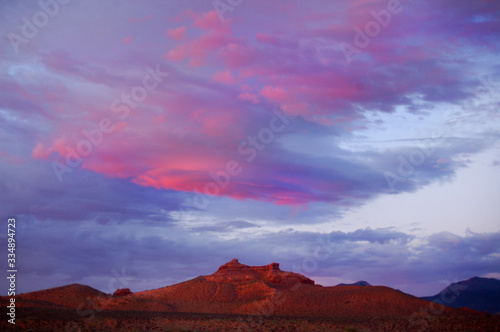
(122, 292)
(235, 272)
(236, 288)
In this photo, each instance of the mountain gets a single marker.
(237, 288)
(357, 283)
(482, 294)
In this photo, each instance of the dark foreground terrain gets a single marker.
(41, 319)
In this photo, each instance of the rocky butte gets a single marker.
(122, 292)
(235, 272)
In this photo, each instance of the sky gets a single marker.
(144, 143)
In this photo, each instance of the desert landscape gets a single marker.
(250, 165)
(238, 297)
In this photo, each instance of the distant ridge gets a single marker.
(357, 283)
(237, 288)
(482, 294)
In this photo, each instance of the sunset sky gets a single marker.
(144, 143)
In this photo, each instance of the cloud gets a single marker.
(177, 34)
(156, 256)
(223, 227)
(203, 123)
(127, 40)
(86, 197)
(225, 77)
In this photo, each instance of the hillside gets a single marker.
(69, 296)
(482, 294)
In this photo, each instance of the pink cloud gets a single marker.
(216, 40)
(214, 123)
(177, 54)
(277, 94)
(41, 152)
(237, 54)
(170, 132)
(261, 36)
(208, 21)
(249, 97)
(160, 118)
(198, 50)
(177, 34)
(225, 77)
(127, 40)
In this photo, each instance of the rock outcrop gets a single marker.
(122, 292)
(235, 272)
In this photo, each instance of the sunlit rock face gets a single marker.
(234, 272)
(122, 292)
